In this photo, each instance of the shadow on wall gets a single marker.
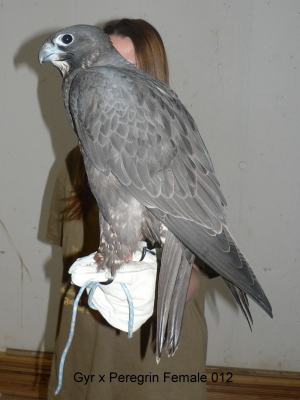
(51, 104)
(63, 139)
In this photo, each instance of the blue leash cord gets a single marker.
(131, 310)
(93, 286)
(71, 335)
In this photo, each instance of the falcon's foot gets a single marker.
(100, 260)
(129, 258)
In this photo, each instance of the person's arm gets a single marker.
(55, 219)
(194, 285)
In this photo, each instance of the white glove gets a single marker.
(110, 298)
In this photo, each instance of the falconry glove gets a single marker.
(110, 298)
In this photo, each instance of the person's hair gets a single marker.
(152, 59)
(148, 45)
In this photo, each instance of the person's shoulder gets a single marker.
(73, 156)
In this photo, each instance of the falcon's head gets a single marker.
(79, 46)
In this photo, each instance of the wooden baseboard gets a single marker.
(252, 384)
(24, 373)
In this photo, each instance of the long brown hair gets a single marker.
(152, 59)
(148, 45)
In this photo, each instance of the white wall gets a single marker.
(235, 64)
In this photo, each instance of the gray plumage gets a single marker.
(150, 173)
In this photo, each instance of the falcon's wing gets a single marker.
(140, 131)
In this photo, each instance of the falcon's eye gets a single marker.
(67, 39)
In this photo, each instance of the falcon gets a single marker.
(150, 173)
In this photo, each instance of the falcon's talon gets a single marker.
(144, 253)
(108, 282)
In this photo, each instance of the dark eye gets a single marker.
(67, 39)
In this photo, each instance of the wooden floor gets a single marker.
(210, 396)
(220, 396)
(11, 397)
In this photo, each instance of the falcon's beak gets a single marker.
(49, 52)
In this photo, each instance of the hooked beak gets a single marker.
(49, 52)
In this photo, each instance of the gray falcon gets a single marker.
(150, 173)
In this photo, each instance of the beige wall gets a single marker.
(235, 64)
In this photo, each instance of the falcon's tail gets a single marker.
(176, 265)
